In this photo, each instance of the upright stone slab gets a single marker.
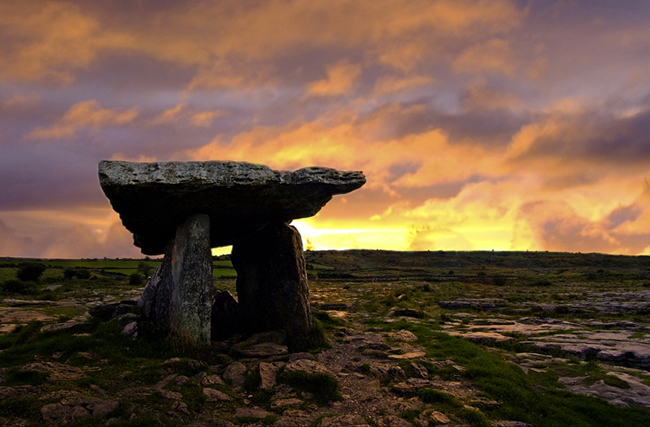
(272, 281)
(156, 298)
(191, 298)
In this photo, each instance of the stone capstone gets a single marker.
(239, 198)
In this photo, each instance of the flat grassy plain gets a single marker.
(350, 290)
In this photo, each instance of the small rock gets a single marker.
(286, 402)
(419, 371)
(234, 374)
(98, 390)
(438, 417)
(393, 421)
(213, 395)
(162, 383)
(211, 380)
(283, 391)
(403, 335)
(61, 326)
(268, 373)
(131, 330)
(172, 395)
(181, 407)
(343, 421)
(396, 373)
(194, 365)
(411, 385)
(173, 415)
(408, 312)
(408, 355)
(251, 413)
(307, 366)
(181, 380)
(301, 355)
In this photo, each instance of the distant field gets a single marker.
(98, 267)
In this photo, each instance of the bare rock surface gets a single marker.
(55, 371)
(77, 406)
(154, 198)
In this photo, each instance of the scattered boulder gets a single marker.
(213, 395)
(268, 374)
(211, 380)
(283, 403)
(131, 330)
(109, 311)
(234, 374)
(403, 335)
(307, 366)
(251, 413)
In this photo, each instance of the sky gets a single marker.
(479, 124)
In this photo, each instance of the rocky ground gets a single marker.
(388, 363)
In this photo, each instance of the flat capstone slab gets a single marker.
(240, 198)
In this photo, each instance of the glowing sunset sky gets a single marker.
(480, 124)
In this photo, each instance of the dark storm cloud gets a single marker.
(595, 137)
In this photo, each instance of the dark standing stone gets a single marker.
(272, 281)
(191, 300)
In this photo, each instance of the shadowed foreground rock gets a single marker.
(185, 209)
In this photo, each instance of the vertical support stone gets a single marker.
(191, 297)
(272, 285)
(156, 297)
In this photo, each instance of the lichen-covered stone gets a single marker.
(191, 297)
(154, 198)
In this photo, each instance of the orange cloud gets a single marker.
(85, 114)
(340, 79)
(391, 84)
(495, 55)
(183, 112)
(51, 40)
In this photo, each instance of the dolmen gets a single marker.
(184, 209)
